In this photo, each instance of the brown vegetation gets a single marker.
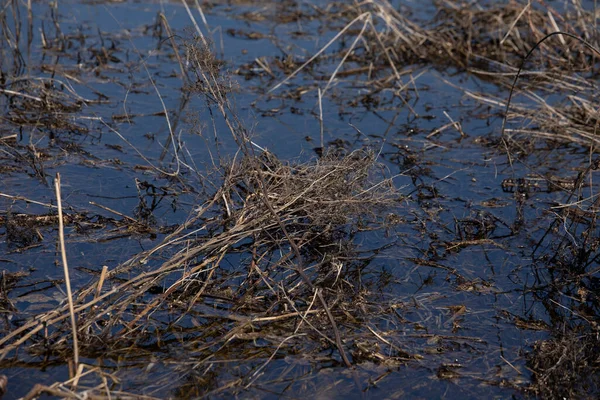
(269, 270)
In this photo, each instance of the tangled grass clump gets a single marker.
(231, 272)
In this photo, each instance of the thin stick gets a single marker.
(514, 23)
(63, 252)
(348, 53)
(101, 281)
(321, 118)
(93, 203)
(15, 198)
(187, 8)
(340, 33)
(257, 372)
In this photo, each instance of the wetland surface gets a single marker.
(299, 198)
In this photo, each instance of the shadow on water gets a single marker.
(298, 198)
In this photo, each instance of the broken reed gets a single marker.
(63, 253)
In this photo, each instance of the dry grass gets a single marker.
(270, 265)
(260, 297)
(488, 41)
(553, 107)
(269, 257)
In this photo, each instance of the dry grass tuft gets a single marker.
(565, 367)
(228, 277)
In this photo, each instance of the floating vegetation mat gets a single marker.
(268, 266)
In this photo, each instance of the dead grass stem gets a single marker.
(63, 253)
